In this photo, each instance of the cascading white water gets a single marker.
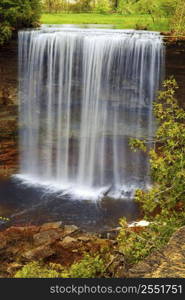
(83, 93)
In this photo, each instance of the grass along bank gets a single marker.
(117, 20)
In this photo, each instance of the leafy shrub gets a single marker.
(87, 267)
(5, 33)
(36, 270)
(178, 18)
(167, 159)
(165, 200)
(103, 6)
(81, 6)
(137, 245)
(15, 14)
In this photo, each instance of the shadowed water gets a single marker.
(26, 205)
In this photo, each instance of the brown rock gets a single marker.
(38, 253)
(13, 267)
(84, 238)
(69, 229)
(46, 237)
(48, 226)
(3, 242)
(20, 232)
(67, 242)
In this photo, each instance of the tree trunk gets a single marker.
(116, 3)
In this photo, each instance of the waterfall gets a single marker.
(83, 94)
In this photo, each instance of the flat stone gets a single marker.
(84, 238)
(52, 225)
(46, 237)
(38, 253)
(67, 242)
(69, 229)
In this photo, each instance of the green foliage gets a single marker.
(136, 245)
(103, 6)
(167, 7)
(117, 20)
(87, 267)
(165, 199)
(36, 270)
(136, 144)
(15, 14)
(5, 33)
(167, 159)
(178, 19)
(161, 15)
(125, 7)
(81, 6)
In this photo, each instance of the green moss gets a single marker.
(36, 270)
(87, 267)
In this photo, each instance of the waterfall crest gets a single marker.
(83, 93)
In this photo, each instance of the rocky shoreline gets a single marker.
(50, 242)
(66, 244)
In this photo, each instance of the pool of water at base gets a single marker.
(25, 205)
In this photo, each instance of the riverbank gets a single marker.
(116, 20)
(57, 250)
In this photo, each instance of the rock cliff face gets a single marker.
(8, 109)
(8, 73)
(167, 263)
(175, 66)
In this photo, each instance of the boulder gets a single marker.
(46, 237)
(69, 229)
(51, 225)
(67, 242)
(84, 238)
(38, 253)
